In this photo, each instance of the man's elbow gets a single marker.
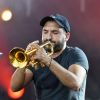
(14, 88)
(76, 86)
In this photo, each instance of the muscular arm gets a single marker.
(20, 78)
(72, 78)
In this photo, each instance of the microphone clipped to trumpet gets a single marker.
(19, 57)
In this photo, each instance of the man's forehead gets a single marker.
(51, 28)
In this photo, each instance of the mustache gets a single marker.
(49, 40)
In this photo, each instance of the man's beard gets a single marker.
(57, 46)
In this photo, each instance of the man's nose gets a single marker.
(49, 36)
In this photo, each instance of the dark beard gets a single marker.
(57, 46)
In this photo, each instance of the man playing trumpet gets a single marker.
(65, 72)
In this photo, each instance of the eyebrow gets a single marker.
(45, 30)
(55, 30)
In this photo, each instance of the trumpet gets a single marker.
(19, 57)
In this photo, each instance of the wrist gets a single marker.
(50, 62)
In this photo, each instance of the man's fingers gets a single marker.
(32, 45)
(37, 41)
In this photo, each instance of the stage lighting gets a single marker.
(1, 53)
(15, 95)
(6, 15)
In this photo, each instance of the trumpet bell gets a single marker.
(18, 58)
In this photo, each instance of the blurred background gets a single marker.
(19, 25)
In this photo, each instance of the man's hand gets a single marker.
(40, 53)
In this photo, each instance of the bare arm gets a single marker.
(72, 78)
(20, 78)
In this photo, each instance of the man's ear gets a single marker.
(67, 36)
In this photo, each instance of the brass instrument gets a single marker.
(19, 57)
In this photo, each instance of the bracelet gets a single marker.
(50, 63)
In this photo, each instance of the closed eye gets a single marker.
(45, 31)
(55, 32)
